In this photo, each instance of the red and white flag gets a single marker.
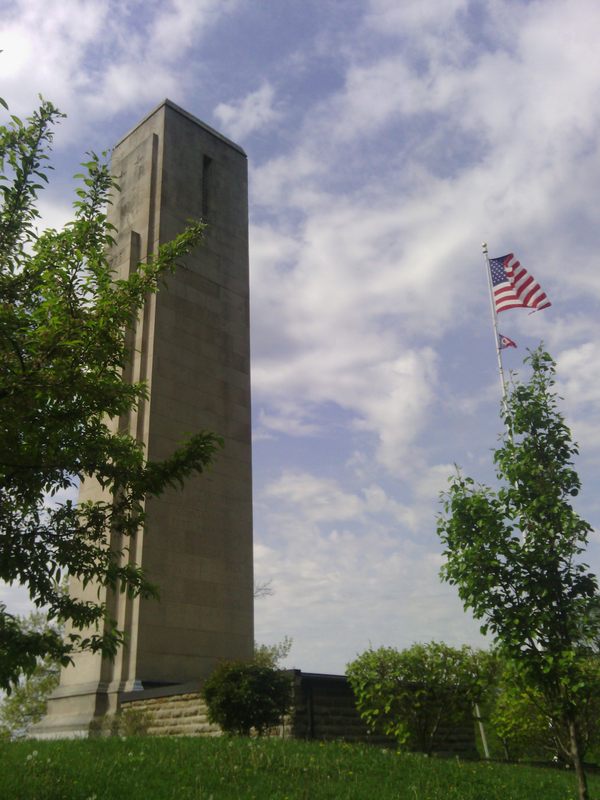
(504, 342)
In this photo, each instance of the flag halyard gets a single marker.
(514, 287)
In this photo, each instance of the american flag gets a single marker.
(514, 287)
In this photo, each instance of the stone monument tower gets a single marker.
(191, 346)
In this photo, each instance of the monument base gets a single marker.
(80, 711)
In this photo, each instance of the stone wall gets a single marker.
(172, 711)
(323, 709)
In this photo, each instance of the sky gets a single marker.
(386, 141)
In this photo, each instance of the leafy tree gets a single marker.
(416, 693)
(529, 728)
(244, 696)
(271, 655)
(514, 552)
(64, 322)
(262, 589)
(523, 731)
(27, 702)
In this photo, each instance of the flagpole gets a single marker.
(484, 247)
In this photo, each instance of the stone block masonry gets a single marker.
(323, 709)
(175, 712)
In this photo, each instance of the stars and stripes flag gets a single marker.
(514, 287)
(504, 342)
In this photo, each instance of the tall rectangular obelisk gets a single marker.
(191, 346)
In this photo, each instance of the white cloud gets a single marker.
(254, 112)
(149, 66)
(320, 499)
(360, 578)
(95, 58)
(376, 93)
(178, 24)
(16, 599)
(394, 402)
(581, 382)
(291, 419)
(126, 82)
(394, 261)
(412, 16)
(44, 48)
(53, 212)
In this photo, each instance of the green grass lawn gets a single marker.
(267, 769)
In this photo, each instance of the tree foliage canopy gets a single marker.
(64, 322)
(515, 553)
(529, 728)
(27, 702)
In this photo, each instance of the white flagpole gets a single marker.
(484, 247)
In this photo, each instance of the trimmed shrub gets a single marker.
(413, 694)
(242, 697)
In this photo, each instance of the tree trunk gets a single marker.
(577, 760)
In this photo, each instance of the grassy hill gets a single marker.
(267, 769)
